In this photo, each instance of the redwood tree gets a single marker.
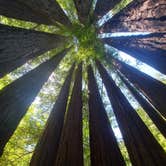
(70, 150)
(18, 45)
(153, 114)
(103, 144)
(40, 11)
(61, 143)
(17, 97)
(104, 6)
(141, 144)
(150, 49)
(83, 9)
(47, 147)
(154, 90)
(139, 16)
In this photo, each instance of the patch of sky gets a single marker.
(142, 66)
(48, 88)
(108, 108)
(112, 12)
(125, 91)
(69, 9)
(76, 42)
(136, 63)
(30, 65)
(121, 34)
(112, 118)
(94, 4)
(104, 19)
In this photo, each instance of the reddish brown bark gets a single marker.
(150, 49)
(18, 45)
(139, 15)
(103, 144)
(41, 11)
(18, 96)
(142, 147)
(70, 150)
(47, 147)
(154, 90)
(155, 117)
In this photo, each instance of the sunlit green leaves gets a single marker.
(151, 126)
(70, 10)
(121, 5)
(85, 47)
(20, 147)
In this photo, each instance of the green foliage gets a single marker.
(86, 142)
(88, 42)
(5, 81)
(17, 23)
(70, 10)
(21, 146)
(151, 126)
(121, 5)
(86, 46)
(125, 154)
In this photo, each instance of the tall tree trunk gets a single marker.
(104, 6)
(70, 150)
(17, 97)
(40, 11)
(139, 16)
(155, 117)
(142, 147)
(103, 144)
(154, 90)
(83, 9)
(47, 147)
(18, 45)
(150, 49)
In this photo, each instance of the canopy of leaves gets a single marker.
(85, 46)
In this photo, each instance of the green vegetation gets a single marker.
(20, 147)
(86, 47)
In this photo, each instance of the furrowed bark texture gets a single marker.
(18, 45)
(155, 117)
(17, 97)
(139, 16)
(38, 11)
(150, 49)
(83, 9)
(70, 152)
(142, 147)
(47, 147)
(154, 90)
(103, 144)
(104, 6)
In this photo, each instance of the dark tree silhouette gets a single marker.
(154, 90)
(47, 147)
(17, 97)
(70, 150)
(18, 45)
(150, 49)
(153, 114)
(62, 141)
(104, 6)
(139, 16)
(83, 9)
(103, 145)
(141, 145)
(41, 11)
